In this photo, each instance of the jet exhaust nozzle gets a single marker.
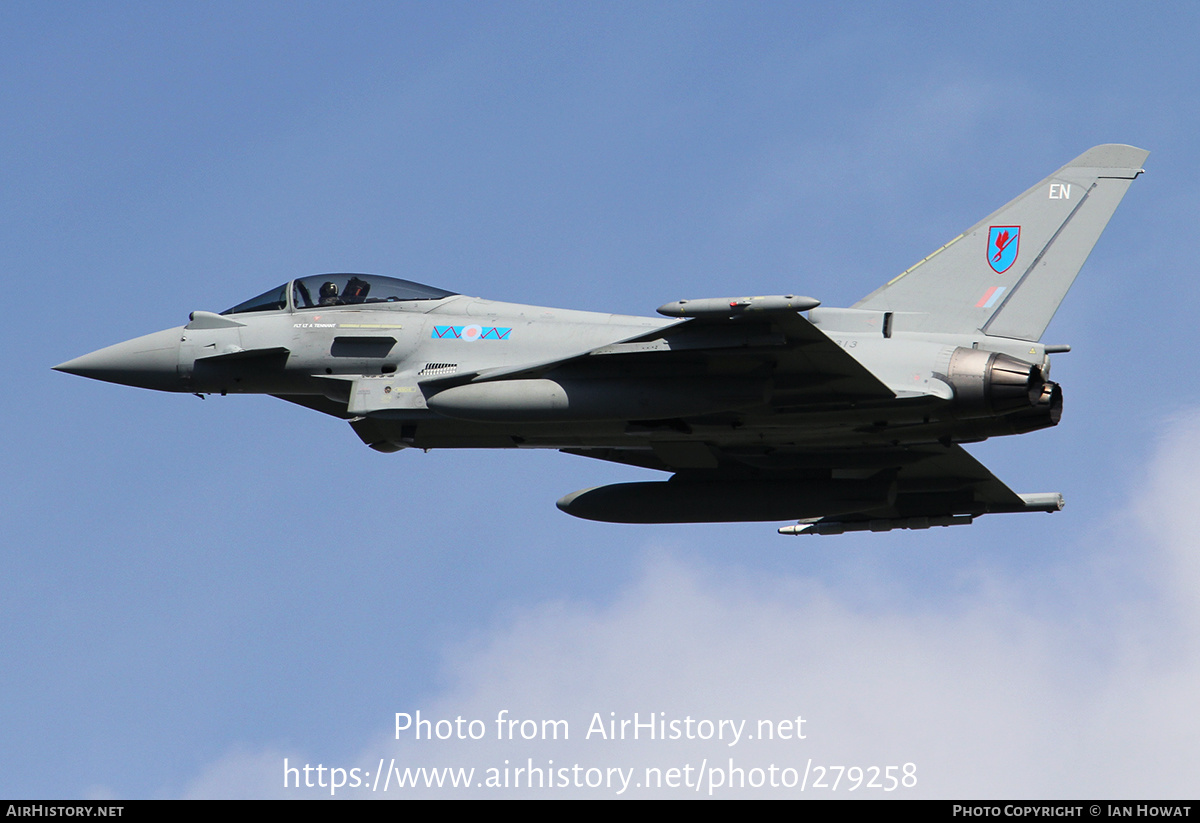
(987, 383)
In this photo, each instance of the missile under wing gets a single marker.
(844, 420)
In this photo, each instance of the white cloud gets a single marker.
(987, 697)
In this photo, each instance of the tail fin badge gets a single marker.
(1003, 242)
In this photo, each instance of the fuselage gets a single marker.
(418, 372)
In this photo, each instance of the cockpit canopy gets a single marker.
(329, 290)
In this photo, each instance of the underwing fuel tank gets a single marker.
(676, 501)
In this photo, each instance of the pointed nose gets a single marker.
(149, 362)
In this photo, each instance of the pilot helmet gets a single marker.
(329, 289)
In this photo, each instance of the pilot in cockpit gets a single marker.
(329, 294)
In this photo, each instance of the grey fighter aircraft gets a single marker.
(847, 420)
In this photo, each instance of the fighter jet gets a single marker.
(849, 419)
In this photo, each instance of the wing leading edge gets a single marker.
(776, 342)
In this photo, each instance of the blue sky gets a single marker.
(193, 591)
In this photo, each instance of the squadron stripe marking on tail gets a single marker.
(990, 297)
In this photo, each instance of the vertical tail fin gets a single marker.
(1007, 274)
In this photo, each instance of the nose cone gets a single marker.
(149, 362)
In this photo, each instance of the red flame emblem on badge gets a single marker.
(1002, 241)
